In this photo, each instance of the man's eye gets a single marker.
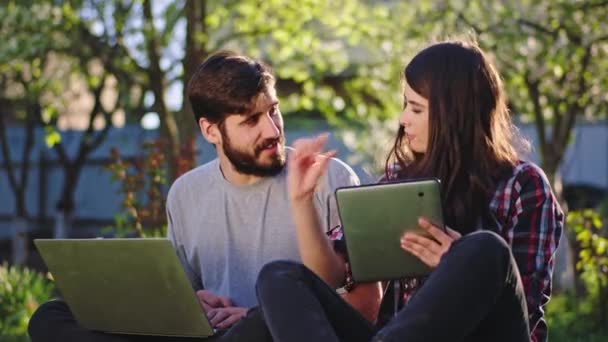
(251, 121)
(273, 111)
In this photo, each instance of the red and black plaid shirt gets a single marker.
(529, 218)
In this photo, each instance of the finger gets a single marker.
(219, 317)
(226, 302)
(229, 321)
(319, 167)
(206, 306)
(299, 146)
(452, 233)
(420, 252)
(327, 155)
(209, 298)
(302, 157)
(211, 313)
(312, 146)
(435, 232)
(425, 242)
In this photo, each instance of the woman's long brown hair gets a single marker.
(472, 142)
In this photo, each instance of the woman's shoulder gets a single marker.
(527, 170)
(527, 177)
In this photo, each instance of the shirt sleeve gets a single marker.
(535, 223)
(338, 175)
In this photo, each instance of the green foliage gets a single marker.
(593, 257)
(551, 54)
(141, 186)
(571, 319)
(21, 292)
(592, 262)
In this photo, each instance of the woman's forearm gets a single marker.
(315, 249)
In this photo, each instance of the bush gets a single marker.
(142, 182)
(592, 261)
(21, 292)
(571, 319)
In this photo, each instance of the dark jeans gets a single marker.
(474, 294)
(53, 321)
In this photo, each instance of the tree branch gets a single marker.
(599, 39)
(234, 35)
(537, 27)
(6, 160)
(33, 111)
(587, 5)
(534, 93)
(574, 109)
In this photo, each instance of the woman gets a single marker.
(493, 266)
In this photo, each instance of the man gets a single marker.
(229, 217)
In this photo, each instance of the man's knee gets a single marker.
(42, 320)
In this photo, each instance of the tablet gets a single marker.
(374, 217)
(126, 286)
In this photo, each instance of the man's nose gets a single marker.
(270, 129)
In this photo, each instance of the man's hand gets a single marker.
(428, 250)
(210, 301)
(224, 318)
(219, 310)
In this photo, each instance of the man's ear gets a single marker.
(210, 131)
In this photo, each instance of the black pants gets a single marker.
(474, 294)
(53, 321)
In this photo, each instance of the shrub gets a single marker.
(21, 291)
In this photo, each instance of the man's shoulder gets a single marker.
(201, 176)
(337, 165)
(340, 172)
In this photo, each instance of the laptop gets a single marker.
(374, 217)
(125, 286)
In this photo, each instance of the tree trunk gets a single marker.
(63, 224)
(19, 246)
(196, 52)
(566, 275)
(168, 123)
(20, 223)
(65, 205)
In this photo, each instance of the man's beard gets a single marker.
(247, 163)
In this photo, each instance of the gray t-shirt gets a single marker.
(224, 233)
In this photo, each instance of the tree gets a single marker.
(24, 80)
(552, 54)
(48, 61)
(18, 179)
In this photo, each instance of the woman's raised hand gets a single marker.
(305, 166)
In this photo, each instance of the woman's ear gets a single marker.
(210, 131)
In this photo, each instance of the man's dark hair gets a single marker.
(227, 83)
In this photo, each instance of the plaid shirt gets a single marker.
(526, 214)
